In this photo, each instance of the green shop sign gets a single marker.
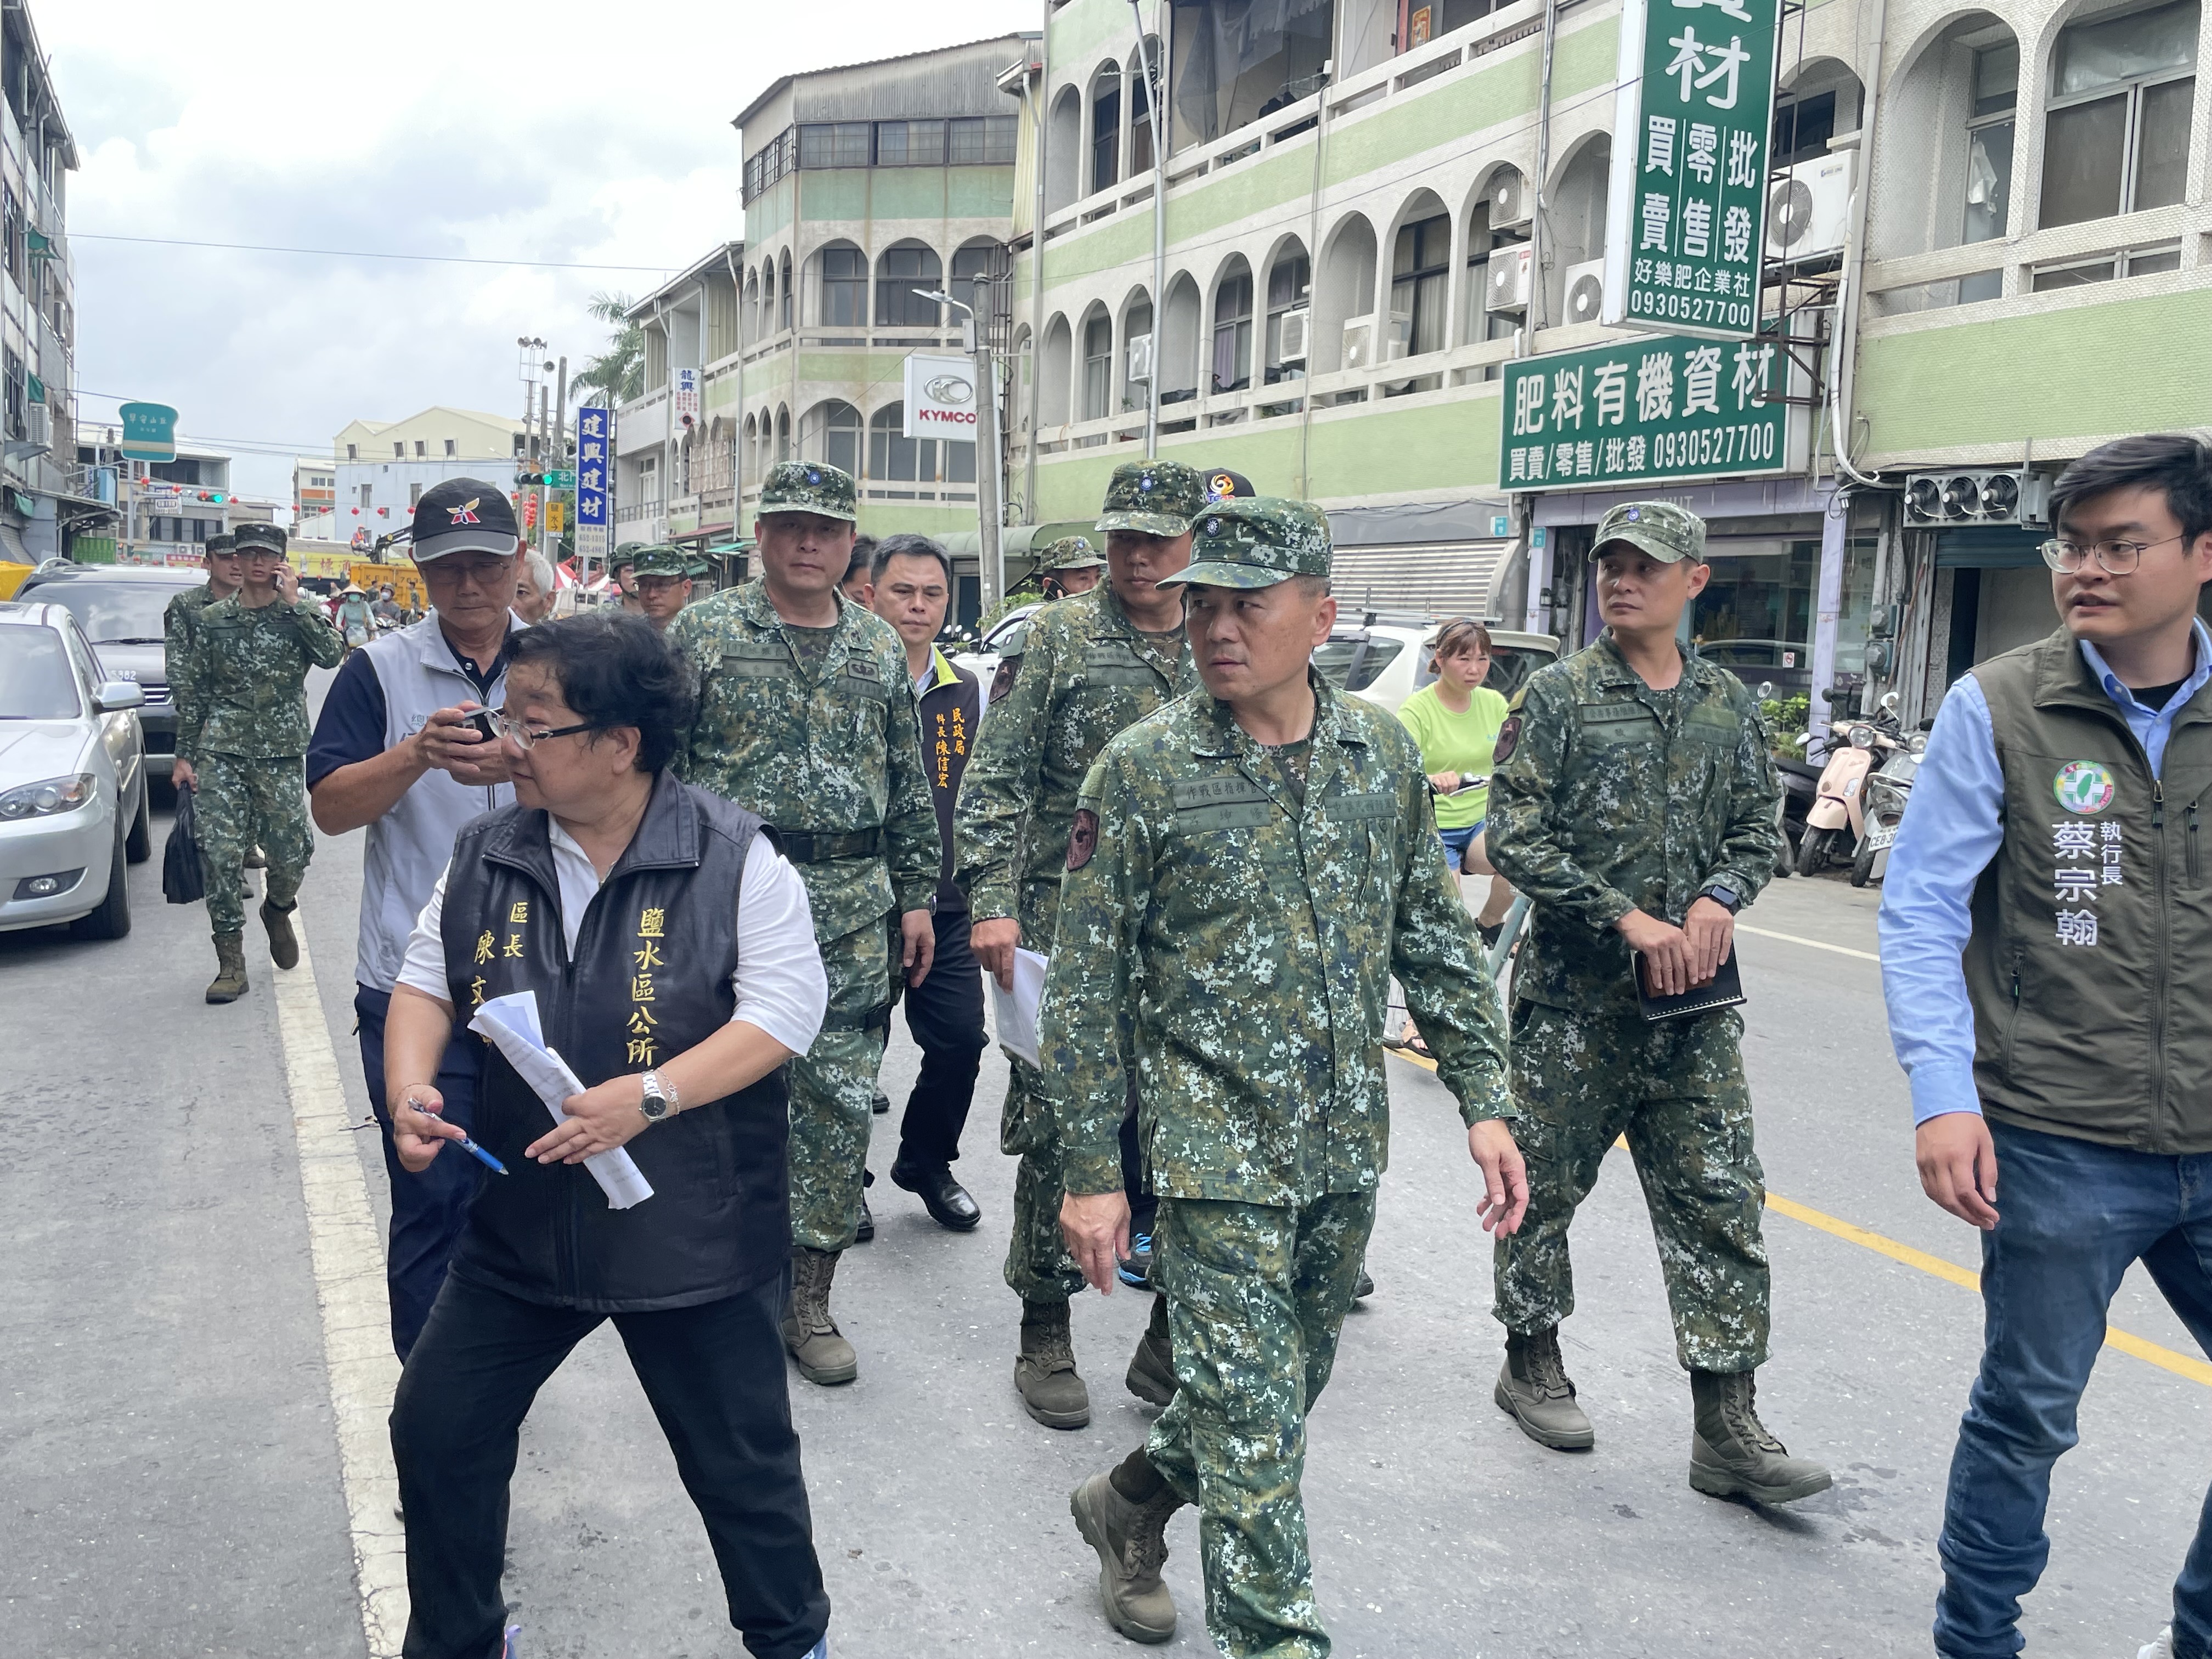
(1686, 213)
(150, 432)
(1645, 411)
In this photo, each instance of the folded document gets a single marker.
(511, 1023)
(1016, 1011)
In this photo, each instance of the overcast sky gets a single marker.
(554, 131)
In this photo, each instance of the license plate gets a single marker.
(1882, 835)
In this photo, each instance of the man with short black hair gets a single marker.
(854, 583)
(2044, 938)
(909, 587)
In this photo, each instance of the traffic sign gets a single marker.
(150, 432)
(564, 479)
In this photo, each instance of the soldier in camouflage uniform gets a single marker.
(1071, 565)
(180, 627)
(662, 578)
(242, 735)
(1634, 802)
(1248, 868)
(806, 717)
(1079, 673)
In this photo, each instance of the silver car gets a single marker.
(73, 808)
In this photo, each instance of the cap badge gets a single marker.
(1145, 482)
(1634, 515)
(812, 477)
(466, 512)
(1213, 526)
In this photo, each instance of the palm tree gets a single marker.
(619, 373)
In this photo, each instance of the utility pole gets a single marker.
(560, 442)
(1160, 238)
(990, 564)
(544, 426)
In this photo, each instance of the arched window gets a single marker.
(1136, 376)
(971, 265)
(1054, 374)
(752, 304)
(902, 268)
(782, 435)
(1098, 365)
(783, 292)
(1232, 328)
(1420, 272)
(1105, 125)
(841, 277)
(894, 457)
(1344, 289)
(1177, 361)
(1290, 287)
(1064, 151)
(831, 433)
(1140, 107)
(2116, 136)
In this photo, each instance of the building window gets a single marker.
(1105, 126)
(783, 301)
(368, 495)
(959, 461)
(2115, 137)
(1290, 287)
(414, 496)
(900, 271)
(352, 451)
(909, 143)
(1140, 110)
(399, 452)
(831, 433)
(1098, 367)
(844, 270)
(1421, 264)
(421, 450)
(971, 272)
(1232, 331)
(452, 446)
(518, 441)
(1989, 128)
(1802, 128)
(893, 456)
(980, 140)
(835, 144)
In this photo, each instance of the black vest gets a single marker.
(650, 979)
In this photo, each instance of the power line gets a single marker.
(357, 253)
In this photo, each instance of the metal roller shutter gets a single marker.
(1439, 579)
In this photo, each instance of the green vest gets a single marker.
(2092, 925)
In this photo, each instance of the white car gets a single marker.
(984, 661)
(73, 808)
(1386, 659)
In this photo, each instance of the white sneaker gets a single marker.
(2161, 1649)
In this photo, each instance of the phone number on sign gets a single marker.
(1712, 446)
(1694, 308)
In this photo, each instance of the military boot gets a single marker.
(824, 1354)
(229, 982)
(284, 943)
(1533, 1388)
(1731, 1453)
(1044, 1371)
(1151, 1375)
(1132, 1543)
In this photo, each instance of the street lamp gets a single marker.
(990, 566)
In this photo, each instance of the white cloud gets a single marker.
(556, 131)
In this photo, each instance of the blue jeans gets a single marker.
(1456, 841)
(2072, 1217)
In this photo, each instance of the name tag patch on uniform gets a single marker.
(1345, 807)
(1230, 802)
(765, 659)
(1614, 723)
(1115, 662)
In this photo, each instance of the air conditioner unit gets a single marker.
(39, 425)
(1359, 342)
(1978, 495)
(1297, 325)
(1399, 343)
(1808, 209)
(1141, 357)
(1585, 295)
(1505, 281)
(1508, 202)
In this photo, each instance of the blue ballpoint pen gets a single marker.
(464, 1143)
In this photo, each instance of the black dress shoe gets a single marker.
(881, 1104)
(945, 1198)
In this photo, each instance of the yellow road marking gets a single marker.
(1813, 944)
(2128, 1343)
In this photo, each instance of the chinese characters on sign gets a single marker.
(595, 480)
(2085, 858)
(1686, 215)
(1644, 409)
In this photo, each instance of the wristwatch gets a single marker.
(659, 1101)
(1727, 897)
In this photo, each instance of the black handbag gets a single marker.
(183, 880)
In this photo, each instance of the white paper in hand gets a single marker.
(1016, 1011)
(511, 1022)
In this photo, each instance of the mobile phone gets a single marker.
(482, 722)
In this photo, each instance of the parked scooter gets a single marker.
(1884, 795)
(1853, 751)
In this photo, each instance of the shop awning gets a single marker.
(1989, 547)
(1018, 541)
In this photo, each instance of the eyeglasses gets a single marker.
(525, 736)
(2117, 557)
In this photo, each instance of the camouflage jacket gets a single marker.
(180, 627)
(831, 750)
(1609, 796)
(244, 689)
(1075, 675)
(1248, 945)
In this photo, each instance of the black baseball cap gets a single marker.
(1223, 485)
(462, 515)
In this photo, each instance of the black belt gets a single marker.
(818, 847)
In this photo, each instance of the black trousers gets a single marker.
(715, 1375)
(944, 1013)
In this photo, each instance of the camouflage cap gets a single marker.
(1256, 542)
(1667, 533)
(221, 542)
(1070, 553)
(660, 562)
(1155, 498)
(259, 538)
(810, 487)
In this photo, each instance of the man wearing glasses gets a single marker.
(2045, 926)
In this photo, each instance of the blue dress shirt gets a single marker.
(1951, 831)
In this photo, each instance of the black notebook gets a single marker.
(1726, 991)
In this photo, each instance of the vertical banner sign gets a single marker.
(686, 405)
(1685, 214)
(594, 468)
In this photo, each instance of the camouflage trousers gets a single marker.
(1676, 1089)
(1256, 1297)
(241, 801)
(832, 1086)
(1038, 1265)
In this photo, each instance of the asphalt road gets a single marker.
(171, 1480)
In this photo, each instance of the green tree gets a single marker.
(619, 373)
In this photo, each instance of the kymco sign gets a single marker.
(940, 397)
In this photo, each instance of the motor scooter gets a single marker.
(1887, 790)
(1840, 809)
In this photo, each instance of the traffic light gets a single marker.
(215, 497)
